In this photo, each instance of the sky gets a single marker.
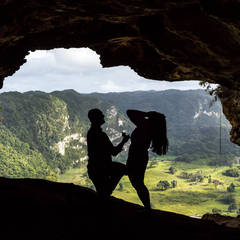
(80, 69)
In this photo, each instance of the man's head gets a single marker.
(96, 116)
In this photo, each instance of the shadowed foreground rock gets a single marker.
(227, 221)
(39, 209)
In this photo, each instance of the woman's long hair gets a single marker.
(159, 132)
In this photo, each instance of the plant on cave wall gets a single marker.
(215, 92)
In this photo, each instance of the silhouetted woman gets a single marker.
(150, 133)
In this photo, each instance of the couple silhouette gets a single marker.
(150, 133)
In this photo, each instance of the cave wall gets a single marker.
(159, 39)
(231, 108)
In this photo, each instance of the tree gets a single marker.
(216, 182)
(216, 210)
(209, 179)
(232, 172)
(228, 199)
(120, 188)
(231, 188)
(200, 178)
(174, 183)
(232, 207)
(163, 185)
(193, 177)
(172, 170)
(184, 175)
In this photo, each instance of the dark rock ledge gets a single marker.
(40, 209)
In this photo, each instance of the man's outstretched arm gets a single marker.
(117, 149)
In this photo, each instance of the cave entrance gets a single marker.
(80, 69)
(48, 125)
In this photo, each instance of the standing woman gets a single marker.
(150, 133)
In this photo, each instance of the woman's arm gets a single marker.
(136, 116)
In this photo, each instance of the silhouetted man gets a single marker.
(104, 173)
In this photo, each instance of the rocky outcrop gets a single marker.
(227, 221)
(39, 209)
(161, 40)
(230, 99)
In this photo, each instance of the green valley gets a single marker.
(43, 135)
(192, 196)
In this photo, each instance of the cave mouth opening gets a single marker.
(81, 70)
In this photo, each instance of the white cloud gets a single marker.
(80, 69)
(37, 54)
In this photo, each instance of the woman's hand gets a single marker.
(136, 116)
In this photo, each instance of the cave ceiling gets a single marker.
(162, 40)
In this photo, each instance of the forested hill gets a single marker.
(190, 107)
(44, 134)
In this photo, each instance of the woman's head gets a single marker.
(158, 126)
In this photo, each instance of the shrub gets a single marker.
(216, 210)
(163, 185)
(232, 172)
(209, 179)
(174, 183)
(228, 199)
(193, 177)
(231, 188)
(232, 207)
(216, 182)
(120, 188)
(172, 170)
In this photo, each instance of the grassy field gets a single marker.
(192, 198)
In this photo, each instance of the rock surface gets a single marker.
(227, 221)
(170, 40)
(159, 39)
(39, 209)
